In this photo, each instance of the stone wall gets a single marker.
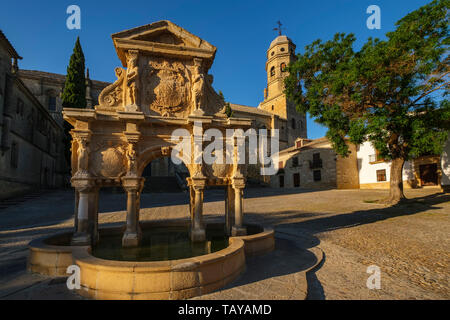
(31, 154)
(46, 86)
(347, 174)
(305, 168)
(445, 165)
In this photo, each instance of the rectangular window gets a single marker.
(317, 175)
(51, 103)
(316, 162)
(316, 156)
(281, 181)
(295, 162)
(14, 155)
(296, 178)
(381, 175)
(375, 157)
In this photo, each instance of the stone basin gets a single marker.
(167, 279)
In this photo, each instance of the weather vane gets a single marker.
(279, 27)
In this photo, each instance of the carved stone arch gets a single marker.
(156, 152)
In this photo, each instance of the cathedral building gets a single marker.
(31, 150)
(31, 125)
(47, 88)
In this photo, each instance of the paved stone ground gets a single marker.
(409, 242)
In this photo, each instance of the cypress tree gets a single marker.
(74, 94)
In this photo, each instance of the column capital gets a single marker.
(130, 183)
(198, 183)
(82, 184)
(81, 134)
(238, 182)
(132, 137)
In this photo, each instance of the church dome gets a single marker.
(279, 40)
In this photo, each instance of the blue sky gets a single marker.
(241, 30)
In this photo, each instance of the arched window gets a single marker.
(272, 71)
(293, 123)
(283, 67)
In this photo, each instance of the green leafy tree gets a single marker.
(391, 92)
(74, 93)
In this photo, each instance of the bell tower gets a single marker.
(291, 124)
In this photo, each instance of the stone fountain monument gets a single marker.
(164, 86)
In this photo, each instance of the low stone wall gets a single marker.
(259, 243)
(49, 259)
(167, 280)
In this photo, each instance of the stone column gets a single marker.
(238, 228)
(93, 214)
(132, 235)
(83, 236)
(198, 233)
(191, 202)
(75, 212)
(229, 209)
(83, 184)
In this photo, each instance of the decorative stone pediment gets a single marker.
(166, 74)
(164, 38)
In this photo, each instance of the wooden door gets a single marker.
(428, 174)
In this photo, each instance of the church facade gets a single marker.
(31, 125)
(31, 150)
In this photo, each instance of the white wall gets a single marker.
(368, 171)
(445, 164)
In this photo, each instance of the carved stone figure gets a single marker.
(83, 156)
(165, 151)
(131, 158)
(198, 88)
(132, 76)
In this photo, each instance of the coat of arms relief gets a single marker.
(167, 87)
(162, 87)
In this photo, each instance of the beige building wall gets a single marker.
(313, 164)
(347, 174)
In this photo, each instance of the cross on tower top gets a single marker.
(278, 28)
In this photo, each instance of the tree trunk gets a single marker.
(396, 182)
